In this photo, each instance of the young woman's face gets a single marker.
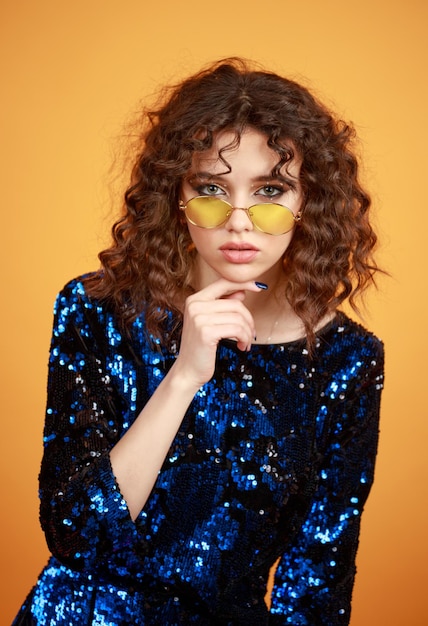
(236, 249)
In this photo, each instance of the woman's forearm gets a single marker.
(137, 458)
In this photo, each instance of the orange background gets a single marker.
(71, 73)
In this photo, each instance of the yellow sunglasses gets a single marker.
(211, 212)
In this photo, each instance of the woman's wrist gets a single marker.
(180, 382)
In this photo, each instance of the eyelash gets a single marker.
(201, 189)
(277, 189)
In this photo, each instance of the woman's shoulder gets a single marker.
(75, 304)
(343, 334)
(76, 288)
(77, 293)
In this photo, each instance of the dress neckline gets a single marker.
(334, 322)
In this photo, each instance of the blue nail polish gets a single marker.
(261, 285)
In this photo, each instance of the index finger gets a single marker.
(223, 288)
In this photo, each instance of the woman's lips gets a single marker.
(239, 252)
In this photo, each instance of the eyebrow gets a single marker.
(258, 179)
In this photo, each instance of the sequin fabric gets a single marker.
(273, 460)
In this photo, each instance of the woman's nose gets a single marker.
(239, 220)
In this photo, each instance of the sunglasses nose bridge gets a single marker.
(236, 213)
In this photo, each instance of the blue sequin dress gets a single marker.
(273, 462)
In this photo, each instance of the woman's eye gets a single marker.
(209, 190)
(270, 191)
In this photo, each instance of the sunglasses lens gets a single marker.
(207, 211)
(273, 219)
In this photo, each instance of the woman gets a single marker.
(211, 414)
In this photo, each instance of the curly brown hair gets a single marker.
(148, 266)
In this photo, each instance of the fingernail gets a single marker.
(261, 285)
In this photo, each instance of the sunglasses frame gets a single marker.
(296, 217)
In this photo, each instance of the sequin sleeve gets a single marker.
(314, 579)
(82, 511)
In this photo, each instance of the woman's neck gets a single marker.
(275, 320)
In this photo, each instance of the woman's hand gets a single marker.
(214, 313)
